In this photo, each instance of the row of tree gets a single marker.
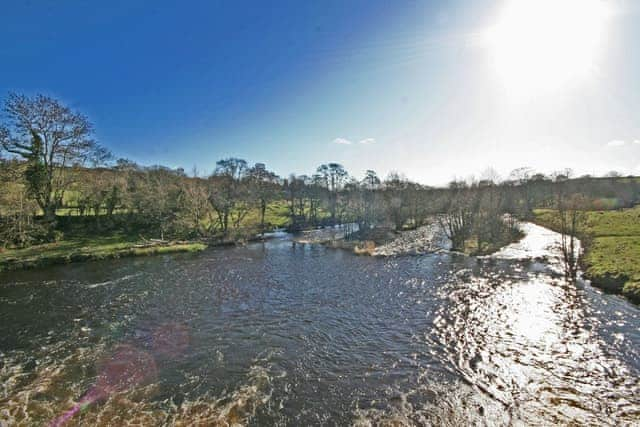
(53, 170)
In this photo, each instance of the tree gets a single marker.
(193, 206)
(370, 185)
(100, 190)
(489, 226)
(315, 192)
(155, 198)
(354, 205)
(17, 210)
(51, 138)
(264, 187)
(523, 180)
(228, 192)
(334, 176)
(571, 215)
(415, 205)
(294, 193)
(460, 214)
(395, 186)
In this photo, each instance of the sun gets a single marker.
(542, 46)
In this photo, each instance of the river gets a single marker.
(283, 333)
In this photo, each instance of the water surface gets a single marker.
(296, 334)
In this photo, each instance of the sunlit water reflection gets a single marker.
(296, 334)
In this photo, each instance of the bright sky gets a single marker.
(434, 89)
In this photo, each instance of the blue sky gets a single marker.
(296, 83)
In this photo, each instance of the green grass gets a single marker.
(276, 215)
(610, 223)
(612, 255)
(74, 250)
(72, 211)
(614, 223)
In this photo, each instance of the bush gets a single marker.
(631, 290)
(16, 232)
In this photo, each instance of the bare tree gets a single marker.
(264, 187)
(334, 176)
(17, 209)
(194, 205)
(294, 193)
(489, 224)
(314, 192)
(522, 179)
(460, 214)
(395, 192)
(571, 213)
(155, 198)
(51, 138)
(370, 185)
(228, 192)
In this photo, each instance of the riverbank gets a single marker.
(385, 242)
(76, 250)
(611, 248)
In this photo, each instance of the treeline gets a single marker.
(53, 175)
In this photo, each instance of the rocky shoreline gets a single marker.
(381, 242)
(423, 240)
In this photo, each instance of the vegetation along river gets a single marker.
(299, 334)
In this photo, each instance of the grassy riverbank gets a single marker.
(95, 248)
(612, 248)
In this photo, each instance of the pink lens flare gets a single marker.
(170, 340)
(129, 366)
(126, 368)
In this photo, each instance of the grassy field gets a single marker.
(612, 256)
(277, 215)
(73, 250)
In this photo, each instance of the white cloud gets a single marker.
(637, 141)
(345, 141)
(616, 143)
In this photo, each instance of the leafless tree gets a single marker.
(51, 138)
(460, 214)
(395, 186)
(264, 188)
(17, 209)
(571, 213)
(228, 192)
(522, 179)
(370, 186)
(193, 205)
(334, 176)
(294, 190)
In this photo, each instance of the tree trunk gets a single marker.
(263, 210)
(49, 213)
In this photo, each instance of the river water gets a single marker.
(283, 333)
